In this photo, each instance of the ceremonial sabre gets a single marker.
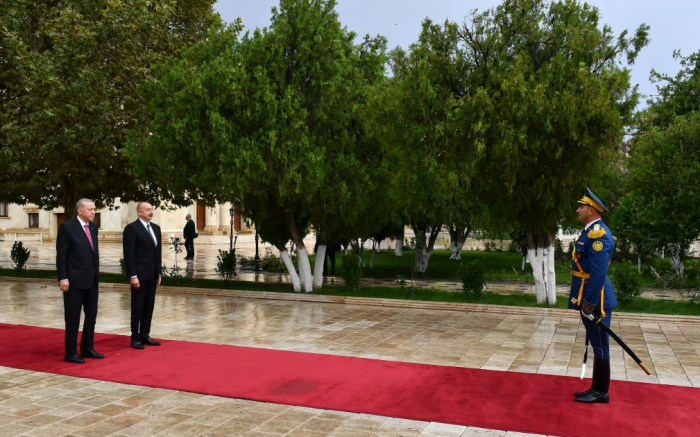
(619, 341)
(585, 359)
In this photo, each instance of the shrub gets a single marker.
(19, 255)
(122, 266)
(626, 281)
(559, 253)
(472, 275)
(226, 265)
(351, 271)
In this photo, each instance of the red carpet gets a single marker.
(532, 403)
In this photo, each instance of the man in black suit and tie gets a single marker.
(77, 263)
(190, 234)
(142, 256)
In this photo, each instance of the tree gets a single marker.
(415, 119)
(71, 73)
(545, 98)
(273, 119)
(663, 168)
(678, 95)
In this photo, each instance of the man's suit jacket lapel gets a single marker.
(81, 233)
(145, 232)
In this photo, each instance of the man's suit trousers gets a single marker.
(143, 300)
(74, 300)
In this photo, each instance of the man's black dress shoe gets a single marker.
(91, 354)
(136, 344)
(594, 397)
(74, 358)
(150, 342)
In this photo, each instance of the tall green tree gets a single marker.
(663, 168)
(416, 119)
(546, 97)
(273, 119)
(70, 74)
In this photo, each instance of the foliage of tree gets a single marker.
(546, 97)
(663, 168)
(415, 119)
(273, 119)
(677, 95)
(70, 74)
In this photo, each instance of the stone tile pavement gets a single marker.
(39, 404)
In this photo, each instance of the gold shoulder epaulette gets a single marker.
(596, 233)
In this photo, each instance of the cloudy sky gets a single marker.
(674, 23)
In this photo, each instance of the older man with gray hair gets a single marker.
(78, 266)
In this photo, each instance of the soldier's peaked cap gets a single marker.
(590, 199)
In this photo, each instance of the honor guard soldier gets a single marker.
(592, 292)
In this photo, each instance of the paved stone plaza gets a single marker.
(39, 404)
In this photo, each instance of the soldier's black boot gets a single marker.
(579, 394)
(601, 383)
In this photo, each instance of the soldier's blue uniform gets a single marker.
(592, 293)
(591, 290)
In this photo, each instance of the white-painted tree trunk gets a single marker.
(304, 269)
(543, 271)
(522, 265)
(318, 266)
(456, 249)
(398, 247)
(535, 257)
(287, 260)
(676, 261)
(639, 264)
(374, 251)
(551, 276)
(424, 249)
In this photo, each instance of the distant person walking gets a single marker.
(143, 259)
(78, 266)
(190, 233)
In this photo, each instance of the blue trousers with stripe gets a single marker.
(598, 338)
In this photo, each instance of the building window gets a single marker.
(98, 220)
(3, 209)
(33, 219)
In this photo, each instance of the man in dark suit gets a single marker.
(77, 263)
(142, 256)
(190, 234)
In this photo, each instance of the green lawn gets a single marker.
(638, 306)
(500, 266)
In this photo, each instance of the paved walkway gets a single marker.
(38, 404)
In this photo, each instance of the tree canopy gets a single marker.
(70, 74)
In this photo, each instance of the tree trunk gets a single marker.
(287, 260)
(374, 251)
(70, 199)
(305, 269)
(318, 267)
(302, 258)
(398, 246)
(540, 254)
(458, 235)
(359, 252)
(639, 264)
(522, 264)
(424, 246)
(677, 258)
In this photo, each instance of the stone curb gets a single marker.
(392, 303)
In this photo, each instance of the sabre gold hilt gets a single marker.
(645, 368)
